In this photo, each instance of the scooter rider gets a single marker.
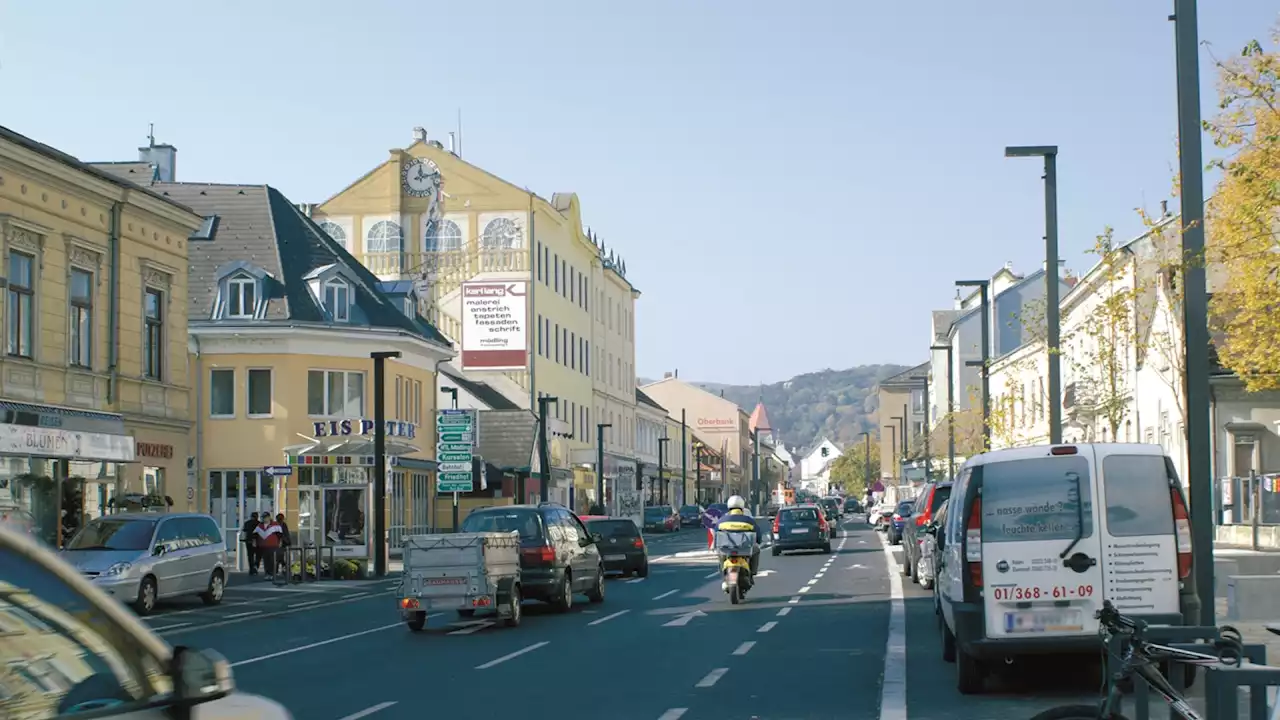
(738, 514)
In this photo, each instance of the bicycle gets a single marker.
(1141, 658)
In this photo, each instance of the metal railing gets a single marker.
(448, 269)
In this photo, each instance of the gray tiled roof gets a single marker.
(483, 392)
(137, 172)
(942, 320)
(907, 377)
(506, 438)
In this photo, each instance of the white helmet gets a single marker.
(737, 503)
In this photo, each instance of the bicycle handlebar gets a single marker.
(1113, 621)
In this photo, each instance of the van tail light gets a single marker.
(776, 524)
(639, 543)
(973, 543)
(543, 555)
(1182, 530)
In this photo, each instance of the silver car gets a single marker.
(142, 558)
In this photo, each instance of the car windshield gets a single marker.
(735, 540)
(656, 513)
(524, 522)
(800, 515)
(905, 507)
(114, 534)
(689, 510)
(613, 528)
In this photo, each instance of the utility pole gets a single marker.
(380, 460)
(928, 461)
(951, 411)
(600, 463)
(893, 447)
(697, 470)
(684, 462)
(1195, 319)
(755, 467)
(867, 460)
(662, 481)
(544, 447)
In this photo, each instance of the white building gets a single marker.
(651, 424)
(817, 459)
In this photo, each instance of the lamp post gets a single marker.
(867, 460)
(984, 371)
(984, 287)
(893, 446)
(544, 448)
(697, 470)
(380, 460)
(684, 462)
(452, 392)
(600, 463)
(1052, 309)
(662, 481)
(951, 409)
(755, 467)
(900, 453)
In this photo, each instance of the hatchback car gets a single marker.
(925, 507)
(621, 545)
(801, 527)
(897, 520)
(559, 557)
(690, 516)
(832, 507)
(661, 518)
(142, 558)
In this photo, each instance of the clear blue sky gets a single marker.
(794, 186)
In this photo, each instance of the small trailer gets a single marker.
(461, 572)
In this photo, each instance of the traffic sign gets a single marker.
(455, 420)
(456, 467)
(457, 437)
(454, 482)
(455, 449)
(453, 457)
(278, 470)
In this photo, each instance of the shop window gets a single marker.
(335, 393)
(153, 480)
(153, 334)
(259, 392)
(21, 310)
(222, 392)
(80, 318)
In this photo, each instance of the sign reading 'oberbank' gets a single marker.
(495, 318)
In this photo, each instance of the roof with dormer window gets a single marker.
(261, 233)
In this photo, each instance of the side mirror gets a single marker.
(597, 537)
(157, 551)
(198, 676)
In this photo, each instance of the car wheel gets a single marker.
(776, 551)
(971, 674)
(643, 571)
(564, 596)
(513, 600)
(948, 641)
(905, 567)
(826, 547)
(596, 593)
(466, 612)
(147, 594)
(915, 570)
(217, 583)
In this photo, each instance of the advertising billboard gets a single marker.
(495, 323)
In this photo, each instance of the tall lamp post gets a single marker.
(600, 463)
(984, 288)
(452, 392)
(755, 467)
(901, 452)
(684, 462)
(544, 446)
(951, 408)
(866, 448)
(1052, 308)
(662, 481)
(697, 470)
(380, 460)
(928, 461)
(893, 445)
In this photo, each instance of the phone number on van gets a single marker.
(1056, 592)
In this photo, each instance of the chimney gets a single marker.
(677, 374)
(306, 209)
(164, 157)
(666, 376)
(1164, 208)
(453, 142)
(419, 134)
(959, 301)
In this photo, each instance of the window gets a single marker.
(337, 299)
(222, 392)
(557, 342)
(242, 297)
(22, 314)
(587, 367)
(540, 338)
(500, 234)
(556, 265)
(384, 236)
(80, 319)
(445, 237)
(917, 401)
(538, 253)
(1136, 488)
(335, 393)
(1036, 499)
(573, 285)
(334, 231)
(153, 334)
(259, 392)
(573, 356)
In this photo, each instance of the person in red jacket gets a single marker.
(270, 536)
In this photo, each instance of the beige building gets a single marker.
(720, 424)
(901, 418)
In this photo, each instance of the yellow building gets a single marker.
(535, 307)
(283, 324)
(722, 427)
(94, 391)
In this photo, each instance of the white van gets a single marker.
(1028, 555)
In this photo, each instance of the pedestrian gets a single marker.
(286, 542)
(268, 534)
(250, 541)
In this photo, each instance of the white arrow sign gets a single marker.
(764, 573)
(855, 566)
(684, 619)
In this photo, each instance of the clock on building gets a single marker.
(421, 178)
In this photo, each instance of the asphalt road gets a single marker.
(837, 635)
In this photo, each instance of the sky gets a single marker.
(793, 186)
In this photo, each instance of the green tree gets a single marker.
(849, 471)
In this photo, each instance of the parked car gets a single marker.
(801, 527)
(897, 520)
(1034, 535)
(661, 518)
(621, 545)
(832, 507)
(142, 558)
(925, 506)
(931, 543)
(559, 557)
(92, 656)
(690, 516)
(852, 507)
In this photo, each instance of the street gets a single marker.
(809, 642)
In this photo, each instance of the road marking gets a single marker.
(819, 575)
(162, 628)
(794, 600)
(243, 614)
(666, 594)
(308, 603)
(714, 574)
(355, 595)
(278, 613)
(369, 711)
(673, 714)
(633, 581)
(712, 678)
(783, 612)
(474, 627)
(855, 566)
(511, 656)
(322, 643)
(805, 589)
(893, 687)
(684, 619)
(745, 647)
(188, 611)
(768, 626)
(607, 618)
(812, 582)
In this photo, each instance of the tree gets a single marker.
(1243, 215)
(849, 471)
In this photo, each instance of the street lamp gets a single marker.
(600, 464)
(697, 470)
(662, 481)
(902, 441)
(755, 467)
(867, 459)
(380, 460)
(928, 461)
(951, 409)
(893, 444)
(984, 287)
(544, 449)
(1052, 309)
(684, 462)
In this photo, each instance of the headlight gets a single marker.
(119, 568)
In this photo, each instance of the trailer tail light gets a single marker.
(409, 604)
(1182, 530)
(973, 543)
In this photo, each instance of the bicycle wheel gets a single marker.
(1075, 712)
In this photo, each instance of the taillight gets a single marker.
(1182, 530)
(544, 555)
(776, 524)
(897, 517)
(973, 543)
(639, 543)
(822, 522)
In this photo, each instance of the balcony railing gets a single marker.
(447, 268)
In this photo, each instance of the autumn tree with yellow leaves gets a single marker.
(1243, 217)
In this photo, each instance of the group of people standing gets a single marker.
(263, 538)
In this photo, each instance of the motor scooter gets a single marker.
(736, 571)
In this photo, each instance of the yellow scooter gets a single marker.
(736, 570)
(735, 542)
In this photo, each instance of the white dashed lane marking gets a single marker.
(666, 594)
(783, 612)
(745, 647)
(712, 678)
(768, 626)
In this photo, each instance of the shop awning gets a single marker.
(358, 448)
(64, 418)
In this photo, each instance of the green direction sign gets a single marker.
(454, 421)
(454, 447)
(456, 437)
(463, 457)
(454, 482)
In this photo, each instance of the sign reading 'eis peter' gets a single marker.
(361, 426)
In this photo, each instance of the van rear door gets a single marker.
(1139, 535)
(1041, 546)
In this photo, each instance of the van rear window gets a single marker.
(1137, 492)
(1036, 499)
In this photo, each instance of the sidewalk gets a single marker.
(241, 579)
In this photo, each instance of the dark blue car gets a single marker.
(896, 522)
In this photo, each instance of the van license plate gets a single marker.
(615, 558)
(1043, 621)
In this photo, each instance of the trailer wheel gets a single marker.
(513, 604)
(416, 621)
